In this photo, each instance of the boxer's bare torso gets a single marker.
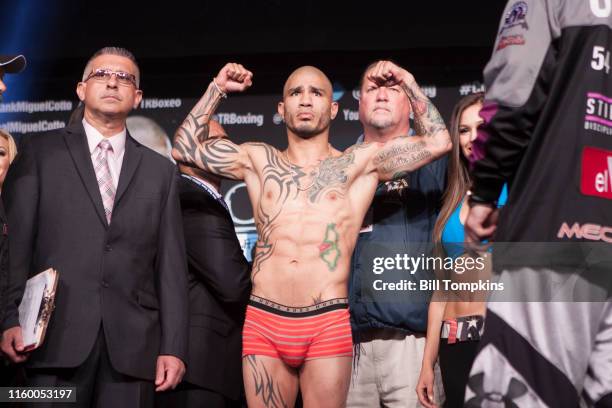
(308, 219)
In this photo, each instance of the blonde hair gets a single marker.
(12, 147)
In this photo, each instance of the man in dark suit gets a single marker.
(103, 210)
(219, 288)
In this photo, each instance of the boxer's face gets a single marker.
(307, 107)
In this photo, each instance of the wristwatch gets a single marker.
(473, 200)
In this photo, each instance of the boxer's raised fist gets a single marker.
(234, 77)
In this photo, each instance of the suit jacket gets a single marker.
(129, 276)
(219, 288)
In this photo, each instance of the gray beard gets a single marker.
(381, 123)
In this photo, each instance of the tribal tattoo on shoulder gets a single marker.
(217, 156)
(427, 119)
(265, 386)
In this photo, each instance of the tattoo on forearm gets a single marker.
(401, 163)
(391, 150)
(403, 157)
(265, 386)
(329, 251)
(427, 119)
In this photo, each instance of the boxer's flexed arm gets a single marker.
(192, 145)
(405, 154)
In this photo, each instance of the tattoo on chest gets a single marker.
(329, 251)
(331, 175)
(285, 179)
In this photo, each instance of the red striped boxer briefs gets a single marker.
(297, 334)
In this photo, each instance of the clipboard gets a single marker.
(37, 306)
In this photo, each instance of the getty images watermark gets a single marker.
(430, 269)
(560, 271)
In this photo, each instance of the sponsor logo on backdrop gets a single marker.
(430, 91)
(596, 172)
(232, 118)
(242, 225)
(31, 107)
(32, 127)
(592, 232)
(598, 114)
(516, 16)
(155, 103)
(350, 115)
(356, 94)
(338, 91)
(277, 119)
(510, 40)
(247, 240)
(470, 88)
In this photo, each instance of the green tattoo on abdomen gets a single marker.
(328, 249)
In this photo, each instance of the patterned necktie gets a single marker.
(105, 181)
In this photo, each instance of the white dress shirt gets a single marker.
(115, 157)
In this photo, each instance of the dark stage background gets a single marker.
(181, 45)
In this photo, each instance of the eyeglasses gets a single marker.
(104, 75)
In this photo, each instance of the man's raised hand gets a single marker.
(388, 74)
(234, 77)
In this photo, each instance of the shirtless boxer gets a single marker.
(308, 202)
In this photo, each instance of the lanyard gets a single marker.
(209, 190)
